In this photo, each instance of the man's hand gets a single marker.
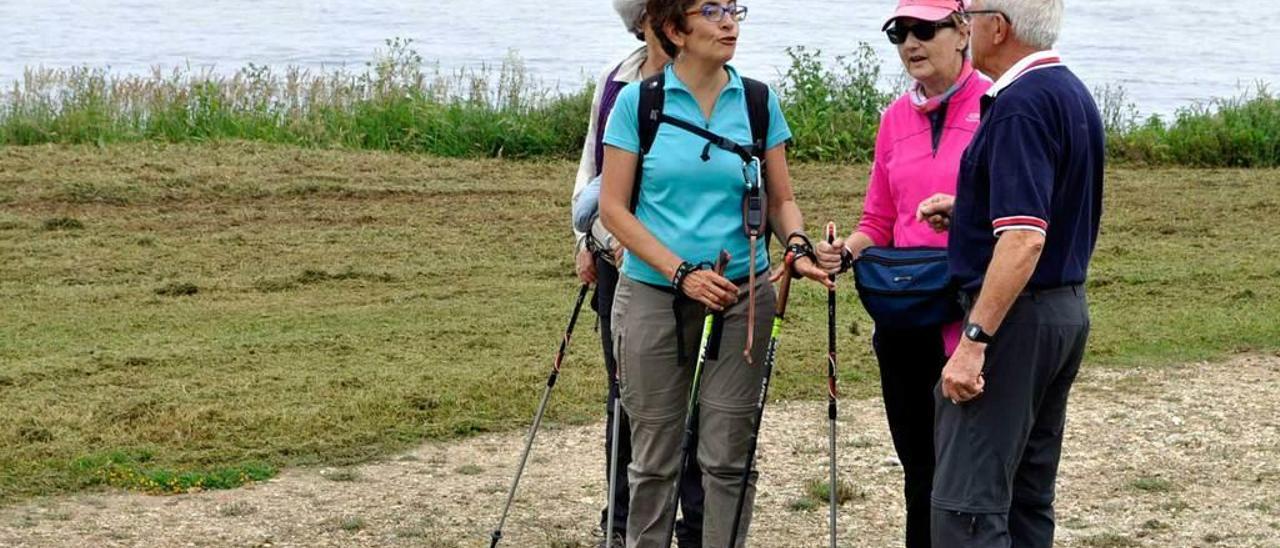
(586, 263)
(962, 378)
(936, 210)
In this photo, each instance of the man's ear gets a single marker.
(1003, 31)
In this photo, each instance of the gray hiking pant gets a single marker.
(655, 395)
(997, 455)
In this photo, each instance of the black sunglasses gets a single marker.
(924, 31)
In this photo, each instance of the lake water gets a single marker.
(1167, 53)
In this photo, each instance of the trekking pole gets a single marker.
(831, 387)
(613, 461)
(780, 310)
(709, 325)
(537, 417)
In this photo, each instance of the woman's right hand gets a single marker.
(711, 289)
(829, 255)
(585, 263)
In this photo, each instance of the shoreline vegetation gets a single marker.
(399, 103)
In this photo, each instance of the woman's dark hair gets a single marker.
(660, 13)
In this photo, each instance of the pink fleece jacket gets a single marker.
(908, 170)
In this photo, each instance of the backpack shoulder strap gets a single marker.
(757, 113)
(652, 99)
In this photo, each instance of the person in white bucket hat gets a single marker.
(597, 262)
(632, 14)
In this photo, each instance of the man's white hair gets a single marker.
(1035, 22)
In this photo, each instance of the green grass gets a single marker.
(134, 471)
(820, 490)
(401, 103)
(1152, 484)
(414, 297)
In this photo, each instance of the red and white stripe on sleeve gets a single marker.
(1019, 222)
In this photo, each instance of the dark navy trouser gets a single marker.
(997, 455)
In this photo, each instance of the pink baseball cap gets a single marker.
(926, 10)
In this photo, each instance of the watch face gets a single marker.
(974, 333)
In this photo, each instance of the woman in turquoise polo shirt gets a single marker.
(690, 207)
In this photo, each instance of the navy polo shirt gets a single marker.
(1035, 163)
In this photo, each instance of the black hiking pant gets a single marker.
(911, 362)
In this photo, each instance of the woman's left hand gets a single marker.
(805, 266)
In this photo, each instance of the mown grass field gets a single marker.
(222, 310)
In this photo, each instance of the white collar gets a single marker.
(629, 69)
(1040, 59)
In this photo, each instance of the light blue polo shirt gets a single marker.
(693, 207)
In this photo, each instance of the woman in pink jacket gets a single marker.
(918, 149)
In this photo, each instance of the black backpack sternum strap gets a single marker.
(650, 113)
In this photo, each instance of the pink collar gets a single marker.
(926, 105)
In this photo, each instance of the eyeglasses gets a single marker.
(924, 31)
(968, 14)
(715, 12)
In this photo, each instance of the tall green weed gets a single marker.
(399, 103)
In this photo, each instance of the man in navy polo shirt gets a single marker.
(1023, 225)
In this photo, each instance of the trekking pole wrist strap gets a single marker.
(846, 259)
(803, 248)
(682, 273)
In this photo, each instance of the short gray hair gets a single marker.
(1035, 22)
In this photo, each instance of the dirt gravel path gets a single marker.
(1176, 456)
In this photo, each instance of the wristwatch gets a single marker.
(975, 333)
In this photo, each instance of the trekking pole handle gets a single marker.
(831, 239)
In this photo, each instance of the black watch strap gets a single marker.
(976, 333)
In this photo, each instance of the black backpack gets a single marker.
(652, 99)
